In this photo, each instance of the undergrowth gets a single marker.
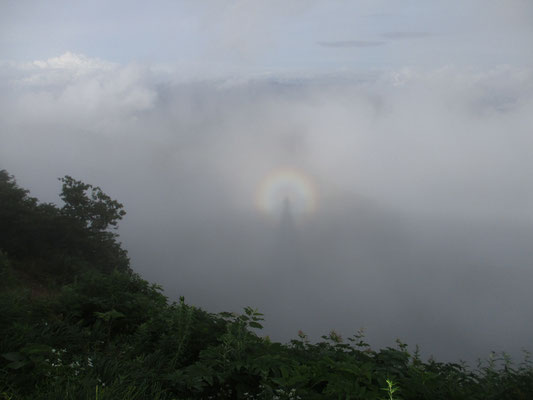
(74, 327)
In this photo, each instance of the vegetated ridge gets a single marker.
(77, 323)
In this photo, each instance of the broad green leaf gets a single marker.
(13, 356)
(36, 348)
(17, 364)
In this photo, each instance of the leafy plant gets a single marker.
(77, 323)
(390, 389)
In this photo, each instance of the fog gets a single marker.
(336, 164)
(423, 221)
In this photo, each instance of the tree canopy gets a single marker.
(42, 238)
(90, 205)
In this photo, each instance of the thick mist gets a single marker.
(424, 218)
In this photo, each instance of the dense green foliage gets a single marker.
(53, 244)
(77, 323)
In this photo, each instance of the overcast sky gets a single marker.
(399, 133)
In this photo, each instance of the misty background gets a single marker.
(413, 121)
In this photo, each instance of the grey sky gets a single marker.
(406, 35)
(266, 36)
(419, 148)
(352, 43)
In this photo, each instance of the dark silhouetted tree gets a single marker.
(89, 205)
(44, 241)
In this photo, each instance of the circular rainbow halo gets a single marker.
(286, 186)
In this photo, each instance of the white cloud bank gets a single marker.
(409, 138)
(73, 88)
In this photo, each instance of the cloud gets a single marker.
(72, 61)
(76, 86)
(352, 43)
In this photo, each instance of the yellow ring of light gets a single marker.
(286, 183)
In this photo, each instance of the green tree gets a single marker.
(96, 213)
(47, 243)
(17, 213)
(89, 205)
